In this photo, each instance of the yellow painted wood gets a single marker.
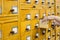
(32, 14)
(6, 27)
(26, 36)
(7, 6)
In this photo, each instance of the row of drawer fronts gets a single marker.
(45, 35)
(32, 35)
(29, 1)
(15, 28)
(11, 9)
(27, 37)
(36, 1)
(26, 6)
(32, 14)
(23, 5)
(28, 25)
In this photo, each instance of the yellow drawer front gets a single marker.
(43, 4)
(48, 36)
(57, 33)
(48, 2)
(53, 38)
(10, 7)
(10, 31)
(52, 2)
(26, 36)
(48, 11)
(25, 27)
(42, 13)
(58, 38)
(42, 34)
(35, 24)
(35, 34)
(52, 12)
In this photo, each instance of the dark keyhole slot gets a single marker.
(27, 2)
(36, 17)
(42, 3)
(36, 1)
(34, 6)
(52, 3)
(27, 29)
(27, 19)
(53, 26)
(36, 26)
(57, 6)
(49, 6)
(12, 32)
(43, 32)
(11, 10)
(36, 36)
(49, 30)
(48, 2)
(53, 35)
(48, 38)
(53, 14)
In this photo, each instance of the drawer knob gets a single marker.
(53, 34)
(53, 25)
(27, 29)
(43, 32)
(48, 2)
(28, 1)
(58, 34)
(36, 1)
(57, 6)
(11, 10)
(53, 14)
(36, 26)
(42, 3)
(12, 32)
(36, 16)
(34, 6)
(49, 30)
(49, 6)
(52, 3)
(49, 38)
(36, 35)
